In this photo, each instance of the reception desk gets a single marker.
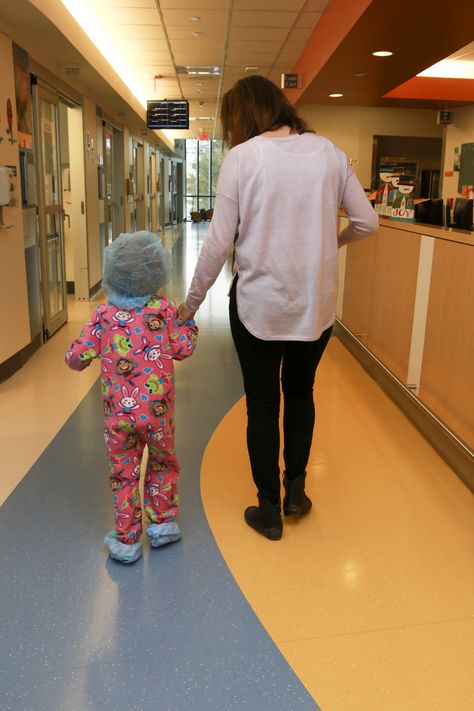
(406, 311)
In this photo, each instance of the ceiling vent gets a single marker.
(72, 70)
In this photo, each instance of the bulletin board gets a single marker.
(466, 166)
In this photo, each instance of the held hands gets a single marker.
(184, 314)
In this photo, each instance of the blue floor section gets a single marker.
(171, 632)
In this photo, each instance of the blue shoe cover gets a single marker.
(162, 533)
(124, 552)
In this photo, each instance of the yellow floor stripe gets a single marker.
(369, 597)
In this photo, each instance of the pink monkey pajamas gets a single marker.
(137, 348)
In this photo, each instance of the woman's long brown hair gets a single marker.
(255, 105)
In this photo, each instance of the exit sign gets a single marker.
(290, 81)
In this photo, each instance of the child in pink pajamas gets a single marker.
(137, 336)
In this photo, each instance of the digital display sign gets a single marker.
(167, 113)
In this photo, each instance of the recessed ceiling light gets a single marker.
(252, 69)
(335, 95)
(195, 18)
(382, 53)
(360, 74)
(196, 34)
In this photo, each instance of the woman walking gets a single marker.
(278, 195)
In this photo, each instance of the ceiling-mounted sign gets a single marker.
(290, 81)
(444, 117)
(167, 114)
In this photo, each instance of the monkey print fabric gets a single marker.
(137, 349)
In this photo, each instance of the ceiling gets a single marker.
(328, 41)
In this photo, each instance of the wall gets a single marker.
(84, 266)
(77, 160)
(13, 287)
(459, 132)
(352, 129)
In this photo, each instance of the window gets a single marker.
(203, 163)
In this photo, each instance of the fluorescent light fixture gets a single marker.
(335, 95)
(83, 13)
(382, 53)
(198, 70)
(454, 67)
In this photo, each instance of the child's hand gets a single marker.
(184, 314)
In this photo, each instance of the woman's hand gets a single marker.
(184, 314)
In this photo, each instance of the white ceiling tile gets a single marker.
(289, 57)
(209, 18)
(193, 46)
(139, 32)
(264, 19)
(197, 58)
(248, 47)
(301, 34)
(184, 32)
(145, 45)
(268, 5)
(147, 56)
(165, 69)
(111, 4)
(293, 47)
(269, 34)
(255, 57)
(308, 19)
(318, 5)
(128, 15)
(232, 67)
(194, 7)
(258, 34)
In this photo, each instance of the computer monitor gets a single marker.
(430, 212)
(463, 217)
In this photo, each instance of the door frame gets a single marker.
(51, 322)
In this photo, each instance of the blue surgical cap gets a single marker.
(136, 266)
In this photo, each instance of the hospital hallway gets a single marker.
(366, 604)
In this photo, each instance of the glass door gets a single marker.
(50, 209)
(109, 207)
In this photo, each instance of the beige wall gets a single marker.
(352, 129)
(459, 132)
(13, 288)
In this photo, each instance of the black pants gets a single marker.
(261, 363)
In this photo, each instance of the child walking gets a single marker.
(137, 335)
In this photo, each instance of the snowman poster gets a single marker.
(383, 196)
(403, 202)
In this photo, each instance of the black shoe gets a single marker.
(295, 503)
(266, 519)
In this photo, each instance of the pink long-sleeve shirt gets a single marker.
(281, 195)
(136, 348)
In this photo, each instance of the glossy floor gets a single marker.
(365, 605)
